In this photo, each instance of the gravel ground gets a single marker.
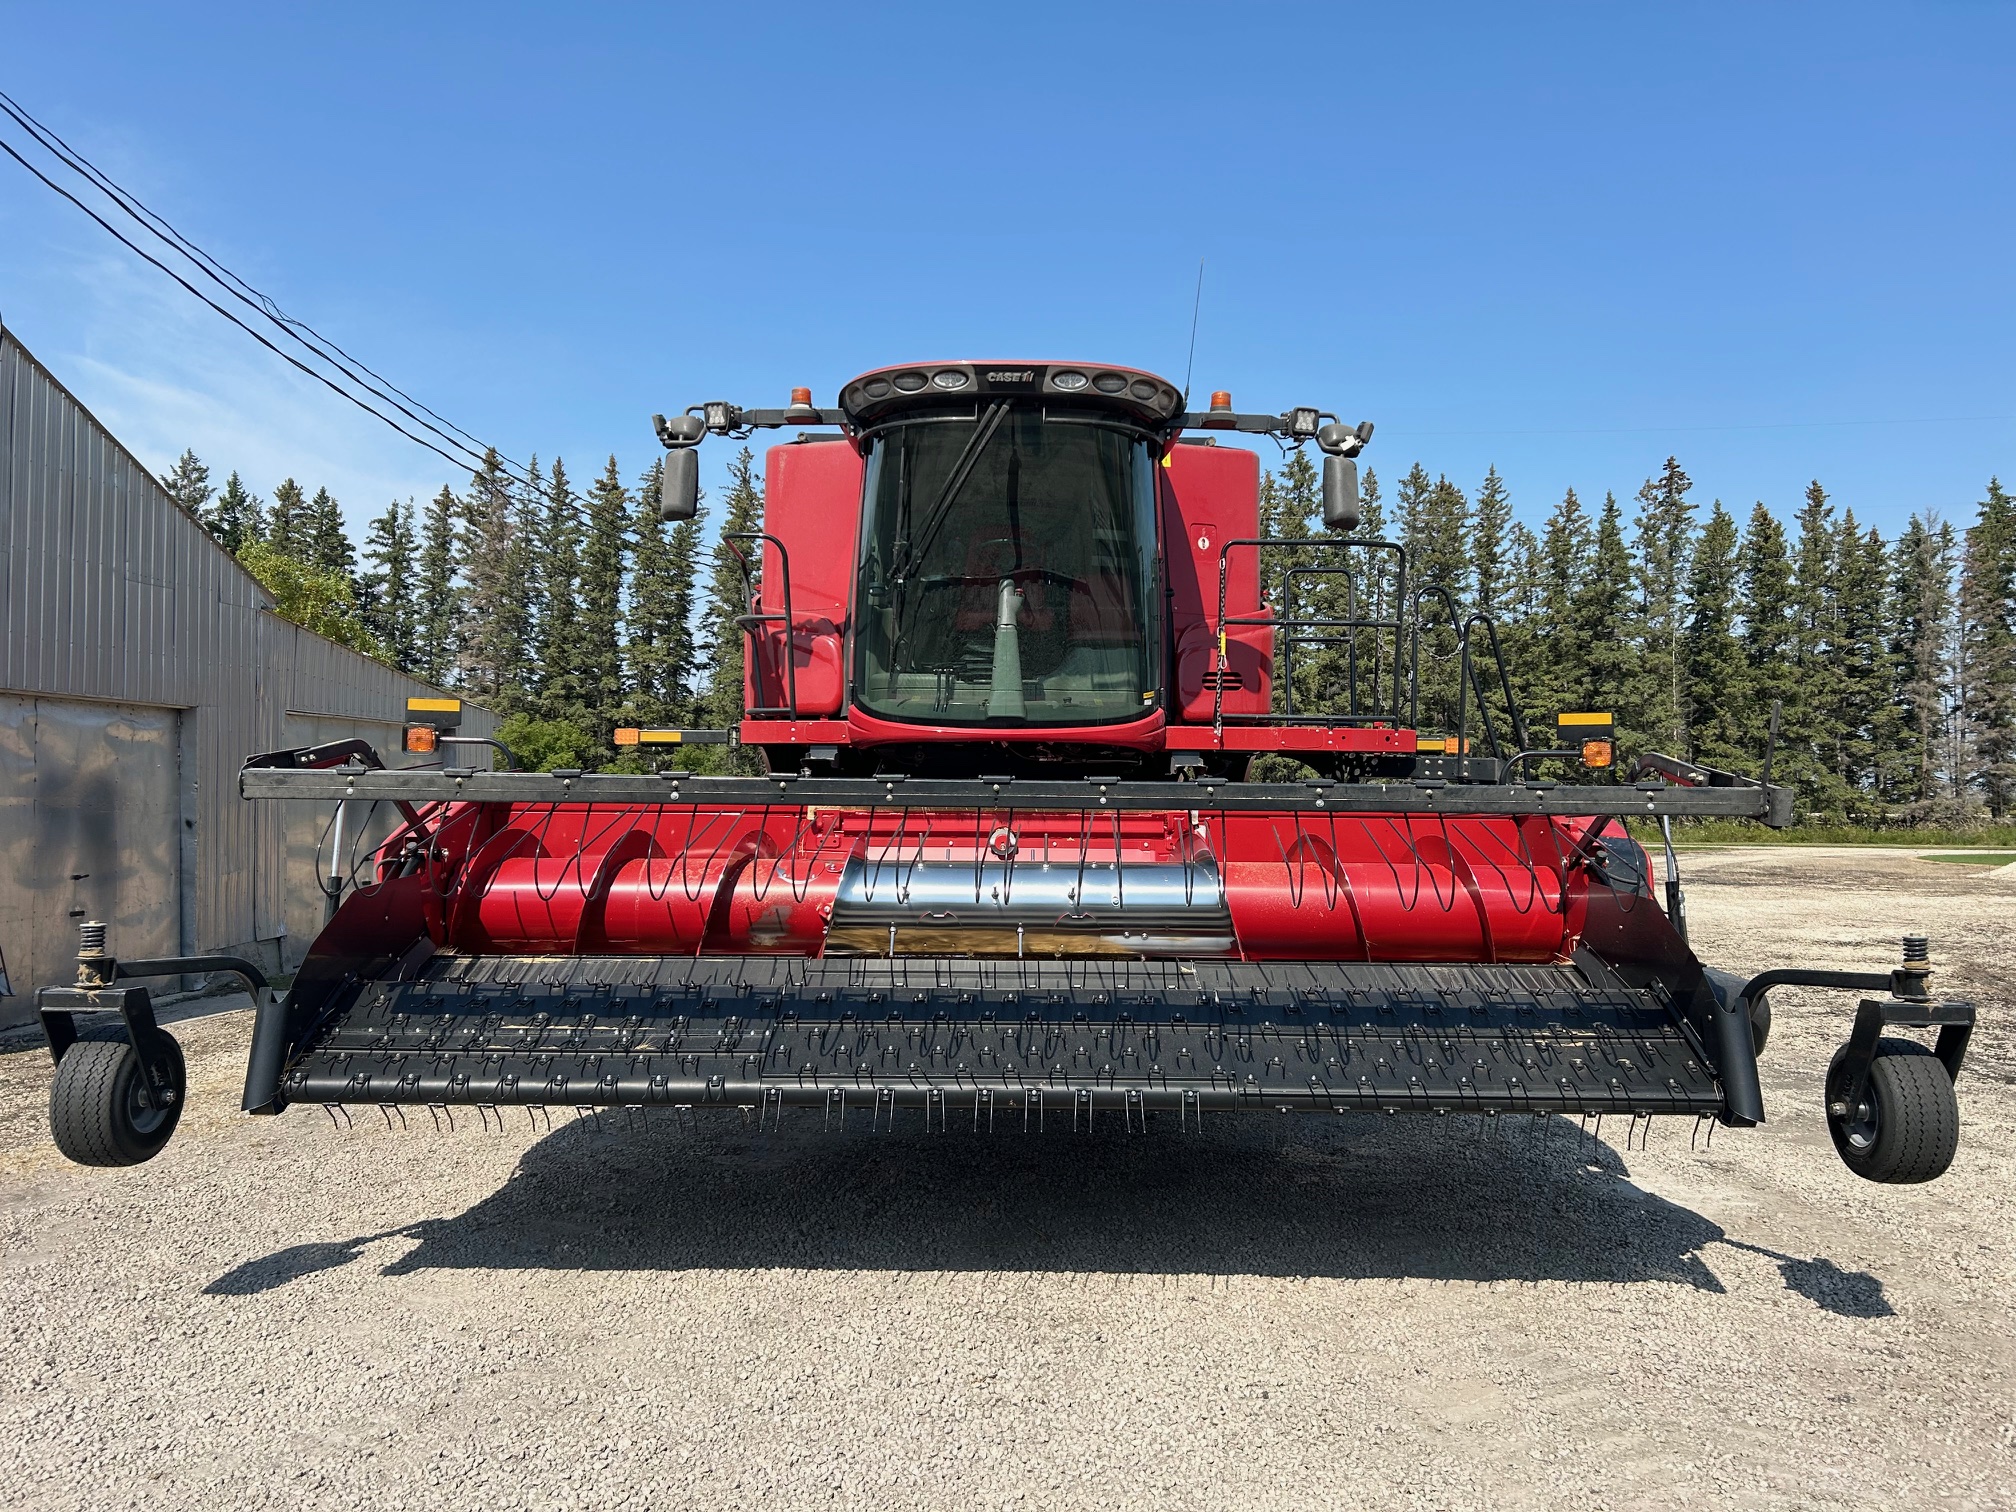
(1280, 1312)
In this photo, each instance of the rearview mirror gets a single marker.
(679, 489)
(1340, 494)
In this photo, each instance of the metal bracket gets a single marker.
(1954, 1021)
(58, 1008)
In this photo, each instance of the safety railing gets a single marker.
(751, 625)
(1397, 703)
(1288, 626)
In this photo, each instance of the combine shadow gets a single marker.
(1350, 1198)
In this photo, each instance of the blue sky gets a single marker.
(1774, 240)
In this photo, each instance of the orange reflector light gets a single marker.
(422, 739)
(1597, 753)
(626, 737)
(1221, 399)
(801, 396)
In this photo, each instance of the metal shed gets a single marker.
(139, 664)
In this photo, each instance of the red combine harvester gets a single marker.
(1008, 662)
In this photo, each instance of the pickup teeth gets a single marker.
(1021, 1037)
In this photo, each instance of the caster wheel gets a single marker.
(1906, 1125)
(95, 1112)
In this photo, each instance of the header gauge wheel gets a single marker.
(1905, 1127)
(96, 1114)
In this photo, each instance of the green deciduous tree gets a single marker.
(310, 596)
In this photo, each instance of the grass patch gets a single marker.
(1975, 858)
(1691, 832)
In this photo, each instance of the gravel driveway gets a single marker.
(1281, 1312)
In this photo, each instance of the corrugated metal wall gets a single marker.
(118, 611)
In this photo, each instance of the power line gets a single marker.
(262, 304)
(235, 286)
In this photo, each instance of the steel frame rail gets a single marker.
(1424, 797)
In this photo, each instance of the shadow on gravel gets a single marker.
(1354, 1198)
(1847, 1294)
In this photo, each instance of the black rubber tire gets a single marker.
(1907, 1128)
(94, 1110)
(1760, 1024)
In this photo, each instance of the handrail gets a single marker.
(1293, 622)
(1218, 669)
(748, 622)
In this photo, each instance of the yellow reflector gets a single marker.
(1597, 753)
(421, 739)
(433, 706)
(660, 737)
(1583, 719)
(626, 737)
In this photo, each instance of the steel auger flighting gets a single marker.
(1012, 647)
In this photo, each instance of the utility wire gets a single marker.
(472, 461)
(133, 206)
(237, 287)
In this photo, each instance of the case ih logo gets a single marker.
(1012, 375)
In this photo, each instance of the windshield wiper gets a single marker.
(962, 469)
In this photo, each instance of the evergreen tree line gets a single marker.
(567, 612)
(1893, 662)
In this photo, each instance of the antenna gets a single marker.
(1195, 305)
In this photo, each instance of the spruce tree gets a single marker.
(1376, 578)
(721, 637)
(287, 521)
(1807, 746)
(234, 518)
(325, 543)
(1491, 542)
(1712, 659)
(1556, 649)
(1520, 628)
(438, 600)
(660, 623)
(559, 587)
(390, 595)
(1921, 651)
(601, 638)
(1862, 718)
(1609, 629)
(496, 641)
(1988, 649)
(1664, 528)
(1290, 511)
(188, 484)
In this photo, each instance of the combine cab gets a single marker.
(1009, 665)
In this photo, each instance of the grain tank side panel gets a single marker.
(1211, 495)
(812, 503)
